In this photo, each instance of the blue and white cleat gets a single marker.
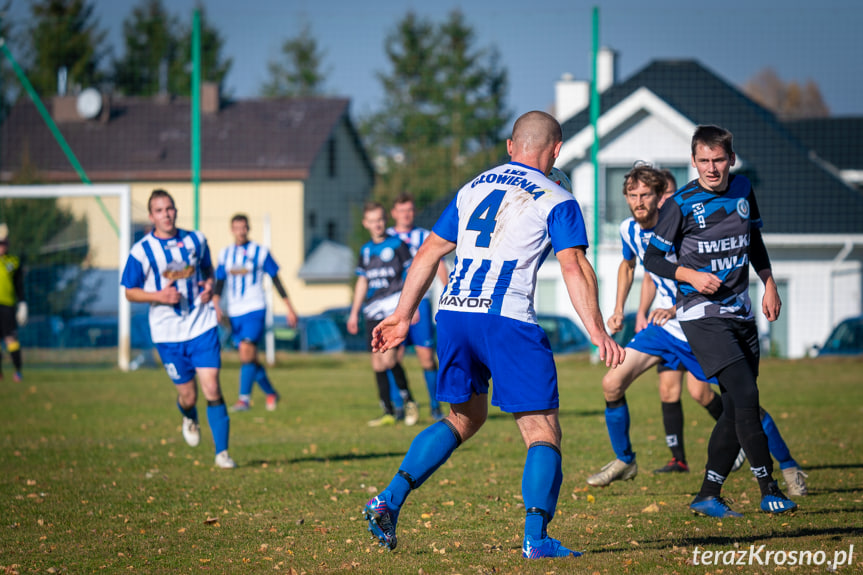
(776, 502)
(712, 507)
(547, 547)
(382, 521)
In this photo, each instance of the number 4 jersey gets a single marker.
(504, 223)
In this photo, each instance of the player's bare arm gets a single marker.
(771, 304)
(661, 315)
(625, 275)
(580, 280)
(393, 330)
(360, 291)
(648, 294)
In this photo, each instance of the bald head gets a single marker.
(536, 138)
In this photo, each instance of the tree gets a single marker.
(298, 73)
(788, 101)
(64, 33)
(444, 109)
(151, 38)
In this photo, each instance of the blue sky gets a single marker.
(800, 40)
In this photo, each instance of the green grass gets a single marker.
(97, 478)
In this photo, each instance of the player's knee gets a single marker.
(613, 387)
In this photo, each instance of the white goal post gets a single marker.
(123, 228)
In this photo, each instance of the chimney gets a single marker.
(65, 109)
(606, 69)
(209, 97)
(571, 96)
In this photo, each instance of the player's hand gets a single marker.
(641, 322)
(771, 304)
(615, 322)
(21, 314)
(390, 333)
(220, 315)
(661, 316)
(206, 291)
(609, 351)
(168, 295)
(706, 283)
(352, 325)
(290, 315)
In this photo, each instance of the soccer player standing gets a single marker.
(171, 269)
(714, 226)
(13, 308)
(502, 225)
(241, 268)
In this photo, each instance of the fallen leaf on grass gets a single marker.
(211, 521)
(652, 508)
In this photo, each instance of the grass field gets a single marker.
(97, 478)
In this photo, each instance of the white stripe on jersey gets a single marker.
(413, 238)
(242, 268)
(190, 318)
(636, 239)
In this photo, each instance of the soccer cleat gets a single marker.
(795, 478)
(673, 466)
(412, 413)
(437, 414)
(385, 419)
(775, 501)
(272, 401)
(224, 460)
(614, 471)
(17, 377)
(382, 521)
(399, 413)
(741, 459)
(241, 406)
(546, 547)
(712, 507)
(191, 432)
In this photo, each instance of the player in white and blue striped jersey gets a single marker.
(240, 279)
(502, 225)
(171, 269)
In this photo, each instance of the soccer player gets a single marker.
(713, 225)
(383, 264)
(241, 267)
(13, 307)
(171, 269)
(420, 333)
(502, 224)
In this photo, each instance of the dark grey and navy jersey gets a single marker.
(385, 266)
(710, 232)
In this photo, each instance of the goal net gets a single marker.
(73, 241)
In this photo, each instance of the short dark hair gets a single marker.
(159, 193)
(403, 198)
(647, 175)
(669, 176)
(713, 137)
(240, 218)
(371, 206)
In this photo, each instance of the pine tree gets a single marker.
(298, 72)
(151, 37)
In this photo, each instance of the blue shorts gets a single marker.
(182, 358)
(653, 340)
(474, 347)
(421, 333)
(249, 327)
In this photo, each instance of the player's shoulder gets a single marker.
(628, 225)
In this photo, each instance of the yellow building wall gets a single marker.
(218, 202)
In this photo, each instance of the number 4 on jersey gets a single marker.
(482, 219)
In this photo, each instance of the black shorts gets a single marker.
(8, 323)
(371, 324)
(718, 342)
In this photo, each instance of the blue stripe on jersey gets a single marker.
(566, 226)
(153, 266)
(255, 257)
(503, 280)
(456, 287)
(447, 225)
(479, 278)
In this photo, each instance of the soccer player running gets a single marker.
(420, 333)
(502, 225)
(171, 269)
(241, 267)
(381, 271)
(714, 226)
(13, 308)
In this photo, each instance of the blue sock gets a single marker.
(395, 395)
(539, 494)
(247, 380)
(431, 385)
(220, 424)
(263, 380)
(191, 413)
(428, 451)
(775, 443)
(617, 422)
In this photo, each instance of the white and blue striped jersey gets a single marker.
(414, 239)
(151, 265)
(242, 268)
(635, 241)
(504, 223)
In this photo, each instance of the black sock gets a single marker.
(748, 431)
(16, 359)
(672, 418)
(722, 450)
(384, 391)
(402, 382)
(714, 408)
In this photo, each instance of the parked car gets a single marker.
(563, 334)
(352, 342)
(845, 339)
(314, 333)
